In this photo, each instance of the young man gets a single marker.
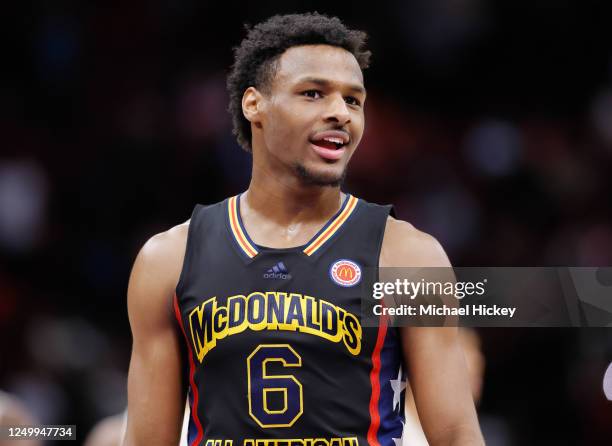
(264, 285)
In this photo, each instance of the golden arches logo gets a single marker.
(345, 273)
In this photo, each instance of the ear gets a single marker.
(252, 105)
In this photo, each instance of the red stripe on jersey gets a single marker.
(238, 232)
(375, 382)
(194, 388)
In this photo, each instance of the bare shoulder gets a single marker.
(166, 246)
(405, 245)
(157, 269)
(164, 252)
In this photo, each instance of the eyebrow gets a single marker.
(325, 83)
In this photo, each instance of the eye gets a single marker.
(313, 94)
(352, 100)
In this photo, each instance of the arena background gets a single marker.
(489, 125)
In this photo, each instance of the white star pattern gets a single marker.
(399, 441)
(398, 385)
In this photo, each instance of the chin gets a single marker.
(321, 177)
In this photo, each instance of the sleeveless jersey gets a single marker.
(277, 354)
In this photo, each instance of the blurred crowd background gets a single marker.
(489, 125)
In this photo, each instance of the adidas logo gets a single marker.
(278, 271)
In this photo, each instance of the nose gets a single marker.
(337, 110)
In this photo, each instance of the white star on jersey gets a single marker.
(399, 441)
(398, 385)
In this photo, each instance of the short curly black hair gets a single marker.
(255, 59)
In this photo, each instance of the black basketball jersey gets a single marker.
(277, 354)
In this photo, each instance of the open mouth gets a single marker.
(329, 143)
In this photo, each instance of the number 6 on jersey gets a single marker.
(262, 385)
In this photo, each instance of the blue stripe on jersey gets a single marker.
(391, 418)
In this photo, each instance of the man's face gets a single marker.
(313, 118)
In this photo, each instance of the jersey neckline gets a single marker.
(250, 249)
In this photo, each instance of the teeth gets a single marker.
(334, 140)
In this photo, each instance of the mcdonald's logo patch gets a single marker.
(345, 273)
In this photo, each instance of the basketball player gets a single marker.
(264, 286)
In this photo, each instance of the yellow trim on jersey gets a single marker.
(342, 441)
(332, 228)
(211, 322)
(239, 235)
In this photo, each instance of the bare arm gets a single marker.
(436, 364)
(156, 391)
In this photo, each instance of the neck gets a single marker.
(286, 200)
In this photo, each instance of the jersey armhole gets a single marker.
(187, 257)
(388, 211)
